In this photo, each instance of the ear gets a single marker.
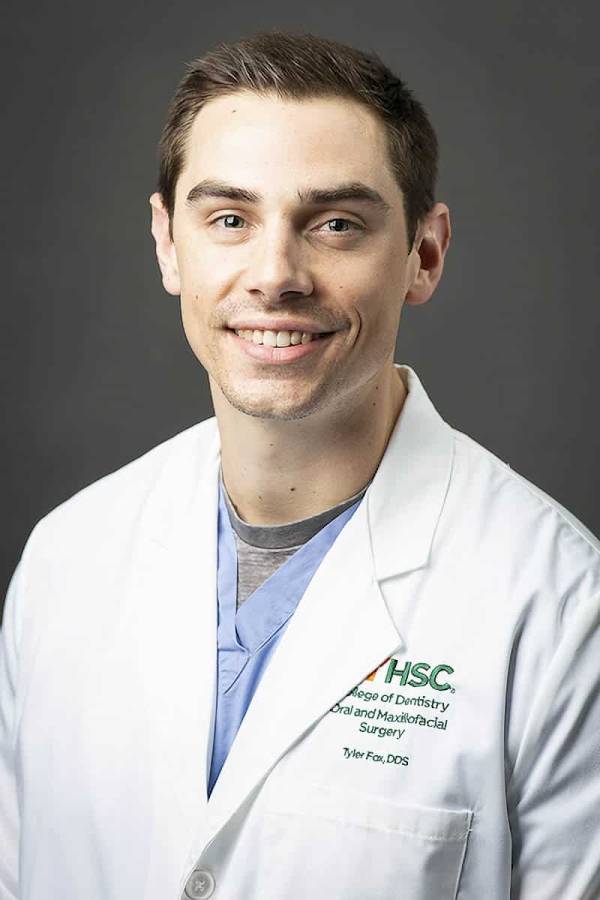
(165, 248)
(426, 259)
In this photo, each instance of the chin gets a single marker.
(277, 408)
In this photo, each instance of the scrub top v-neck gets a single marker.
(248, 636)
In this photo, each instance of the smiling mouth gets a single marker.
(278, 338)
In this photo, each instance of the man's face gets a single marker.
(259, 246)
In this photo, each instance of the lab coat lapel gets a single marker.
(171, 621)
(340, 632)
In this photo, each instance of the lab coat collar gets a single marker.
(406, 497)
(404, 500)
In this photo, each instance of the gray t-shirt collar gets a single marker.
(292, 534)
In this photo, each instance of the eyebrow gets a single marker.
(353, 190)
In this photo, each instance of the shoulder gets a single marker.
(493, 483)
(517, 530)
(109, 504)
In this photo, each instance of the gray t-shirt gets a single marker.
(262, 549)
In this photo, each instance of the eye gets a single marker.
(227, 218)
(343, 222)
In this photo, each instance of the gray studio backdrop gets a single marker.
(95, 366)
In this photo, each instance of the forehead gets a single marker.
(269, 143)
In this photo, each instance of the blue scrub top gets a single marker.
(247, 638)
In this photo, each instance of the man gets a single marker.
(322, 645)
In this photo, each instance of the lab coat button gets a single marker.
(200, 884)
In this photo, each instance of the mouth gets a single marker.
(279, 347)
(268, 338)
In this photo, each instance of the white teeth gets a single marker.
(275, 338)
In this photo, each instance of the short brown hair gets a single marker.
(297, 66)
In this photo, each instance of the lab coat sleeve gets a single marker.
(9, 813)
(554, 788)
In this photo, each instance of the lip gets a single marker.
(280, 356)
(279, 325)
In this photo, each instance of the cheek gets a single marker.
(201, 292)
(378, 314)
(205, 279)
(193, 324)
(200, 267)
(197, 305)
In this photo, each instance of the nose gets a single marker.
(278, 268)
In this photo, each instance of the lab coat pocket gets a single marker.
(339, 844)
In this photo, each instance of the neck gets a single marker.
(283, 471)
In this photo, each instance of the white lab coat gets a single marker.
(107, 686)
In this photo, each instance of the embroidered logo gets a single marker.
(417, 675)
